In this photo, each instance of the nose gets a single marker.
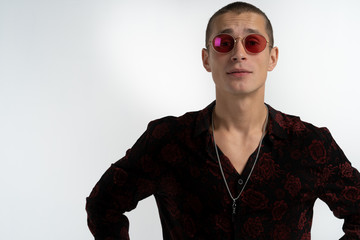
(239, 52)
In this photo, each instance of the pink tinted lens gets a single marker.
(223, 43)
(255, 43)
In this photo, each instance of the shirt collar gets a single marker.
(203, 121)
(274, 127)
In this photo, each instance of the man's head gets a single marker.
(241, 52)
(239, 7)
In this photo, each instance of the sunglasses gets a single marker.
(253, 43)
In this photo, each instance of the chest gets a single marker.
(237, 150)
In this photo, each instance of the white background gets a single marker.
(80, 80)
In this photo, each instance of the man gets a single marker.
(238, 169)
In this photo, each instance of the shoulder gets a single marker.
(171, 126)
(301, 137)
(294, 127)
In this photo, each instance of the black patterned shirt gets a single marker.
(175, 161)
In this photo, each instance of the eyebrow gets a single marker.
(247, 30)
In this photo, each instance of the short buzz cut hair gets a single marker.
(240, 7)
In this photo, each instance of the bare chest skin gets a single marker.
(237, 148)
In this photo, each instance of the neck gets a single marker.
(241, 115)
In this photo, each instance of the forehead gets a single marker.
(238, 24)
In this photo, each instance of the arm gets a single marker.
(126, 182)
(339, 187)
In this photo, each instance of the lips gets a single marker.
(239, 72)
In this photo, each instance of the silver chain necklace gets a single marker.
(221, 169)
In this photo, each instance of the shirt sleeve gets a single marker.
(339, 187)
(121, 187)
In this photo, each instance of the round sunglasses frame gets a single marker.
(242, 40)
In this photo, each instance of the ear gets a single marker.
(205, 59)
(274, 55)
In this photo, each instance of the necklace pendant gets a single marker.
(234, 210)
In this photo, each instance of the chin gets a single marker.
(246, 91)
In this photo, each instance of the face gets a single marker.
(238, 72)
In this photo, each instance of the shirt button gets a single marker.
(240, 182)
